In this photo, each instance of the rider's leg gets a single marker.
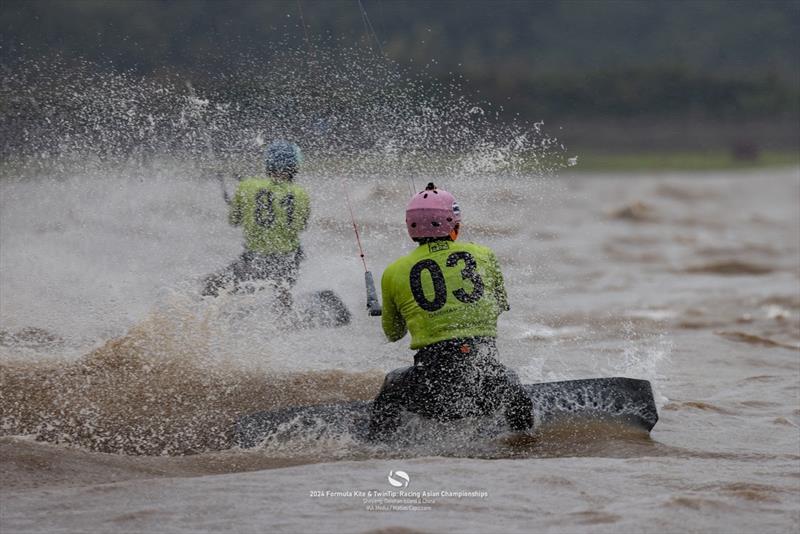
(224, 278)
(386, 408)
(518, 405)
(502, 388)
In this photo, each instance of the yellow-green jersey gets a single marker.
(272, 213)
(443, 290)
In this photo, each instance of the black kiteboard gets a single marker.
(620, 400)
(320, 309)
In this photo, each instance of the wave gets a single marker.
(637, 211)
(753, 339)
(152, 392)
(31, 337)
(697, 405)
(30, 464)
(729, 267)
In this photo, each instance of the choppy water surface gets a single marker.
(119, 384)
(130, 381)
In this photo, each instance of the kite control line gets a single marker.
(373, 306)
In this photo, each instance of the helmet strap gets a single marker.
(454, 232)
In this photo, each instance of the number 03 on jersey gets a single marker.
(444, 289)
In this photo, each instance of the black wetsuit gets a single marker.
(251, 268)
(451, 380)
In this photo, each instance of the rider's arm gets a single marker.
(394, 325)
(305, 210)
(498, 287)
(236, 213)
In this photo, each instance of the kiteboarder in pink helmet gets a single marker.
(448, 296)
(433, 213)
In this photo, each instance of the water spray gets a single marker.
(373, 306)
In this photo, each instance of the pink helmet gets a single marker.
(432, 213)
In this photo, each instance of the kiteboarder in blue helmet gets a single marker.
(272, 211)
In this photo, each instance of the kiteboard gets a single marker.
(321, 309)
(624, 401)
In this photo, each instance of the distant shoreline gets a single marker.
(664, 160)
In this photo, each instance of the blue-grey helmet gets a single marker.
(283, 157)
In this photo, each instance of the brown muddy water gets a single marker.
(119, 384)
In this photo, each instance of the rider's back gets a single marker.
(443, 290)
(272, 214)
